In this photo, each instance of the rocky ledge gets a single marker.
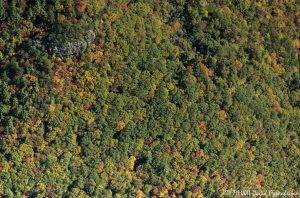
(76, 46)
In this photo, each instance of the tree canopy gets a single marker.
(173, 98)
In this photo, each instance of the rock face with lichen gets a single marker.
(76, 46)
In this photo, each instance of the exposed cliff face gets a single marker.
(76, 46)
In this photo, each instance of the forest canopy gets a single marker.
(169, 98)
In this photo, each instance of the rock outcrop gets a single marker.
(76, 46)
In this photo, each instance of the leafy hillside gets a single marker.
(173, 98)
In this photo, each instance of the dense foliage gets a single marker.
(173, 98)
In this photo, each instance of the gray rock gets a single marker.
(37, 42)
(76, 46)
(90, 36)
(42, 126)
